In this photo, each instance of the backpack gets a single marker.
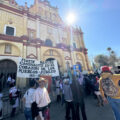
(109, 87)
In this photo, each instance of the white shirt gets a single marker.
(41, 97)
(13, 91)
(57, 83)
(29, 97)
(9, 79)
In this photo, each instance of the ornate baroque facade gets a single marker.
(39, 33)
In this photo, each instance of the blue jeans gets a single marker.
(28, 114)
(115, 104)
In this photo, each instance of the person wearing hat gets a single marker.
(42, 99)
(110, 89)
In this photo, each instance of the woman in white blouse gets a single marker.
(42, 99)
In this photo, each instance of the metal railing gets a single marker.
(7, 108)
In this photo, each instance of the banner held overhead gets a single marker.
(30, 68)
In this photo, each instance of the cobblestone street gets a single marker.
(93, 112)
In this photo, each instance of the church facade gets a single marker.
(37, 32)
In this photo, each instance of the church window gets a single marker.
(31, 33)
(64, 40)
(49, 30)
(8, 48)
(10, 31)
(74, 45)
(48, 42)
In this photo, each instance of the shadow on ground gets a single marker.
(92, 110)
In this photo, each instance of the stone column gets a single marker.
(38, 52)
(25, 24)
(37, 28)
(24, 51)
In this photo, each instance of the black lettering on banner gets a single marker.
(34, 68)
(52, 63)
(42, 68)
(20, 70)
(22, 61)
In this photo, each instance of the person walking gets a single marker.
(68, 99)
(28, 100)
(58, 90)
(14, 98)
(110, 89)
(78, 98)
(42, 99)
(97, 93)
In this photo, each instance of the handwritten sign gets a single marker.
(29, 68)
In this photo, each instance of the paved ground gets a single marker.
(93, 112)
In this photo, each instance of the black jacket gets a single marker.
(77, 90)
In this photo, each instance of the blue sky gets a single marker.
(99, 20)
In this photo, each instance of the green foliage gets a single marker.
(101, 60)
(109, 60)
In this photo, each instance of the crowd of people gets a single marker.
(104, 87)
(13, 95)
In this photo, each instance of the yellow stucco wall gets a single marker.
(16, 48)
(44, 30)
(18, 22)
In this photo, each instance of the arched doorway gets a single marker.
(49, 59)
(52, 54)
(7, 67)
(49, 43)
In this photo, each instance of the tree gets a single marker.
(109, 60)
(101, 60)
(109, 49)
(112, 57)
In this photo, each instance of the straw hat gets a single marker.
(42, 79)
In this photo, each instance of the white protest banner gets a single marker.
(30, 68)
